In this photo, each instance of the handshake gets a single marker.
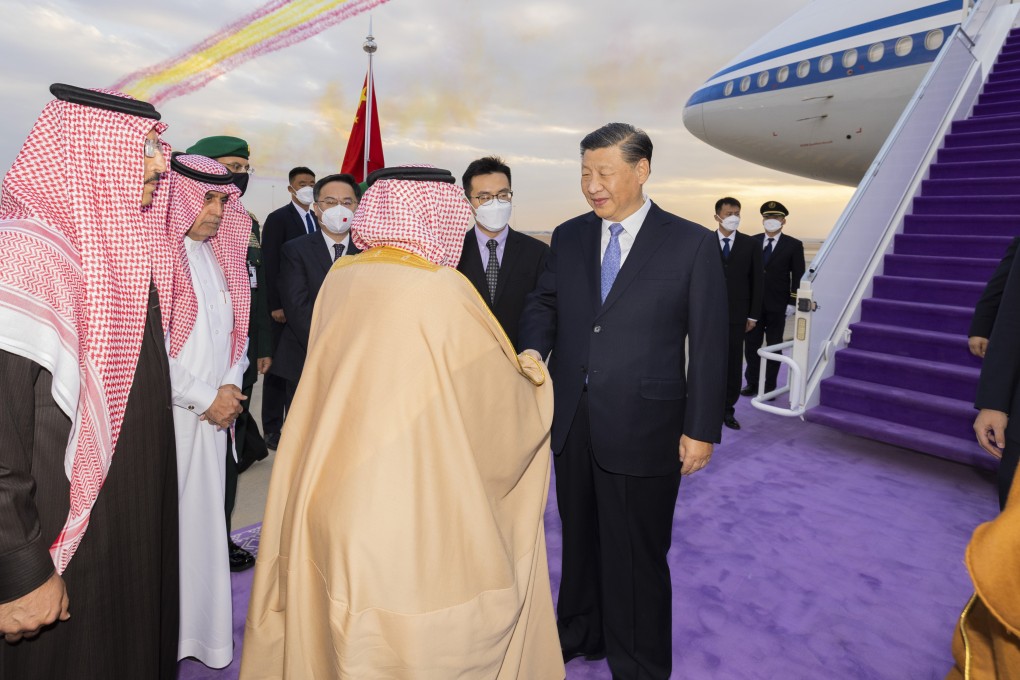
(225, 407)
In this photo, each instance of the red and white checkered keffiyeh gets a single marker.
(426, 218)
(79, 254)
(230, 245)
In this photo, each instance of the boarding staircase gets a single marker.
(907, 376)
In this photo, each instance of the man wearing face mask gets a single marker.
(741, 258)
(306, 261)
(783, 262)
(503, 264)
(233, 153)
(283, 224)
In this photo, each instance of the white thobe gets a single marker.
(203, 365)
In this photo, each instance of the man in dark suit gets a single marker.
(782, 257)
(283, 224)
(988, 306)
(306, 261)
(503, 264)
(623, 288)
(741, 259)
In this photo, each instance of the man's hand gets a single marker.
(533, 353)
(978, 346)
(751, 323)
(278, 316)
(694, 454)
(263, 364)
(225, 407)
(990, 428)
(790, 310)
(30, 613)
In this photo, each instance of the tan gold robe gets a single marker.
(986, 644)
(404, 535)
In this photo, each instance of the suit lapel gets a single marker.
(591, 256)
(473, 269)
(648, 240)
(295, 217)
(321, 254)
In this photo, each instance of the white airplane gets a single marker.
(818, 95)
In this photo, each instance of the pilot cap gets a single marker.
(773, 208)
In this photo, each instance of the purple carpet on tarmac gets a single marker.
(801, 552)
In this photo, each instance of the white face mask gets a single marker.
(337, 219)
(305, 195)
(494, 216)
(731, 223)
(772, 226)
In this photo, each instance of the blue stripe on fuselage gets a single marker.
(842, 34)
(889, 61)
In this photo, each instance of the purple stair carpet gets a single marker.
(800, 553)
(907, 377)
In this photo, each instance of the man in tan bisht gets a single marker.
(403, 535)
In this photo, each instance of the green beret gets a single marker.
(219, 146)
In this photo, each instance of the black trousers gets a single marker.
(770, 328)
(734, 362)
(615, 590)
(1007, 469)
(274, 392)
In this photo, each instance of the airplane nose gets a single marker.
(694, 120)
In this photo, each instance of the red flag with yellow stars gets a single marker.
(354, 158)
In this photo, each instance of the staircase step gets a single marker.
(949, 268)
(983, 138)
(973, 154)
(913, 342)
(1007, 122)
(952, 245)
(977, 186)
(958, 224)
(999, 97)
(943, 415)
(1003, 207)
(974, 169)
(943, 318)
(993, 109)
(1005, 68)
(958, 450)
(919, 375)
(934, 291)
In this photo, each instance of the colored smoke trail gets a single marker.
(275, 25)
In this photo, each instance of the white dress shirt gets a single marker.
(631, 226)
(330, 242)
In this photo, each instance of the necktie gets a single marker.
(726, 249)
(611, 260)
(338, 250)
(768, 252)
(492, 269)
(308, 222)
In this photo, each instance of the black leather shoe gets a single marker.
(272, 440)
(749, 391)
(240, 559)
(595, 655)
(731, 422)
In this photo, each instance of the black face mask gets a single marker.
(240, 181)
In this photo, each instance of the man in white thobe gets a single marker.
(208, 356)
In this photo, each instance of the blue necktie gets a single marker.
(768, 252)
(309, 223)
(611, 260)
(726, 249)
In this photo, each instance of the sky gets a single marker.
(455, 80)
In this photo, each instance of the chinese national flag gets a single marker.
(354, 159)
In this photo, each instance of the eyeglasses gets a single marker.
(332, 202)
(239, 169)
(152, 147)
(502, 197)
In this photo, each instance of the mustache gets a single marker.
(154, 178)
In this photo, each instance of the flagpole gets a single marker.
(370, 47)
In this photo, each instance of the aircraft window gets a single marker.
(763, 79)
(745, 83)
(934, 39)
(876, 52)
(728, 90)
(782, 74)
(904, 45)
(825, 64)
(803, 69)
(849, 58)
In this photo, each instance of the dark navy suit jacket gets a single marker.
(670, 289)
